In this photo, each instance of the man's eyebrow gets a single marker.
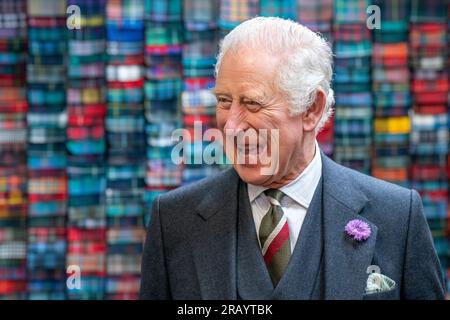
(252, 96)
(258, 97)
(261, 98)
(219, 92)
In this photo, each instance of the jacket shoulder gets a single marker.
(386, 202)
(375, 188)
(195, 191)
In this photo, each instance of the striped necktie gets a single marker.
(274, 236)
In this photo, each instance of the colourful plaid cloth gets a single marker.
(90, 7)
(428, 59)
(200, 14)
(396, 175)
(353, 49)
(392, 32)
(86, 46)
(390, 54)
(390, 99)
(429, 134)
(430, 98)
(157, 34)
(47, 180)
(124, 145)
(163, 10)
(45, 159)
(395, 125)
(47, 8)
(126, 11)
(125, 132)
(422, 86)
(352, 127)
(389, 163)
(351, 32)
(124, 124)
(125, 96)
(393, 10)
(159, 134)
(49, 185)
(198, 102)
(121, 210)
(47, 235)
(200, 49)
(351, 75)
(163, 89)
(85, 186)
(125, 288)
(46, 48)
(163, 173)
(353, 156)
(278, 8)
(13, 6)
(45, 74)
(312, 12)
(91, 216)
(124, 172)
(354, 99)
(120, 264)
(89, 95)
(350, 11)
(400, 75)
(163, 67)
(125, 236)
(425, 11)
(12, 17)
(428, 34)
(127, 35)
(122, 109)
(45, 34)
(92, 288)
(233, 12)
(89, 263)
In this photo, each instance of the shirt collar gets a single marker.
(301, 190)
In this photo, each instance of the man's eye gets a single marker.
(224, 101)
(252, 105)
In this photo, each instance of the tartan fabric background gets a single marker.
(86, 117)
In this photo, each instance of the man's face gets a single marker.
(249, 100)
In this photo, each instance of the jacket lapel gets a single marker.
(346, 260)
(214, 241)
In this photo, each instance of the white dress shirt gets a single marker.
(295, 204)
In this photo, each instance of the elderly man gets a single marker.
(311, 229)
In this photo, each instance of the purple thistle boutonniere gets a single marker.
(358, 230)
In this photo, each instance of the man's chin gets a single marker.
(252, 173)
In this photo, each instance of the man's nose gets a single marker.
(236, 121)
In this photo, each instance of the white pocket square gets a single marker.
(377, 282)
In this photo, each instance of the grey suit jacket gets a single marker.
(201, 243)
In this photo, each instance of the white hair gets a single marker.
(305, 59)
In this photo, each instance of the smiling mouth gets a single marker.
(248, 148)
(250, 152)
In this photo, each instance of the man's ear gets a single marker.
(312, 116)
